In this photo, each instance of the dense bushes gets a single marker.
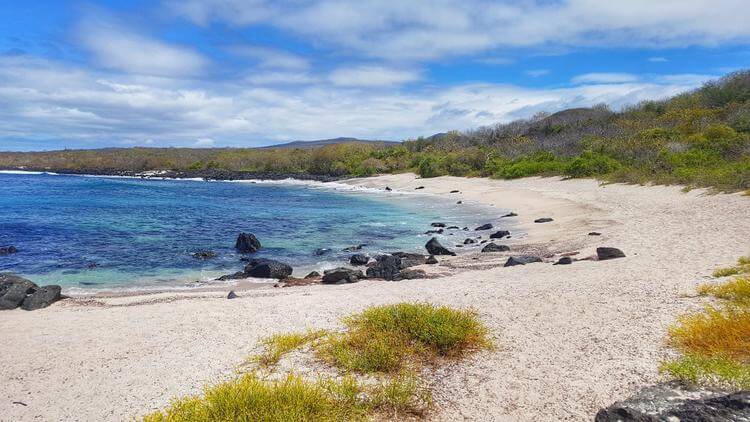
(701, 138)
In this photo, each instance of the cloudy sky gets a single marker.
(89, 74)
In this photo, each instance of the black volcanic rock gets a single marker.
(7, 250)
(521, 260)
(491, 247)
(606, 253)
(232, 295)
(409, 259)
(313, 274)
(510, 214)
(431, 260)
(484, 227)
(247, 243)
(354, 248)
(565, 260)
(197, 255)
(359, 259)
(267, 268)
(341, 275)
(437, 224)
(500, 234)
(386, 267)
(543, 220)
(469, 241)
(13, 290)
(435, 248)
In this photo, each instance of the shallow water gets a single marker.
(90, 233)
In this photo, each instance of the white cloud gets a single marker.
(115, 47)
(535, 73)
(42, 99)
(604, 78)
(205, 142)
(658, 59)
(271, 58)
(372, 76)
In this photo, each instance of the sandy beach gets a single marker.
(571, 339)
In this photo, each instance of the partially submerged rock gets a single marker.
(321, 251)
(196, 255)
(437, 224)
(521, 260)
(354, 247)
(510, 214)
(484, 227)
(469, 241)
(665, 402)
(7, 250)
(247, 243)
(342, 275)
(605, 253)
(359, 259)
(500, 234)
(267, 268)
(313, 274)
(491, 247)
(435, 248)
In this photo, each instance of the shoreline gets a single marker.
(572, 338)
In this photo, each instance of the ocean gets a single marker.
(105, 233)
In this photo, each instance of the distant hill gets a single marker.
(333, 141)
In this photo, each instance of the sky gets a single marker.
(243, 73)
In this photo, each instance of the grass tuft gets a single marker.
(278, 345)
(252, 399)
(388, 338)
(737, 290)
(742, 267)
(718, 370)
(715, 332)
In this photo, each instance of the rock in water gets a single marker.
(491, 247)
(41, 298)
(543, 220)
(313, 274)
(247, 243)
(235, 276)
(565, 260)
(510, 214)
(321, 251)
(7, 250)
(500, 234)
(521, 260)
(354, 248)
(665, 403)
(437, 224)
(231, 295)
(484, 227)
(605, 253)
(13, 290)
(469, 241)
(387, 267)
(359, 259)
(435, 248)
(202, 255)
(267, 268)
(342, 275)
(431, 260)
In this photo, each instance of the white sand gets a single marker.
(572, 338)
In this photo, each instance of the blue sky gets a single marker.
(254, 72)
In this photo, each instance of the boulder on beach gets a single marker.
(359, 259)
(594, 234)
(411, 274)
(342, 275)
(521, 260)
(247, 243)
(409, 259)
(431, 260)
(565, 260)
(232, 295)
(388, 189)
(267, 268)
(484, 227)
(196, 255)
(234, 276)
(386, 267)
(313, 274)
(7, 250)
(605, 253)
(491, 247)
(543, 220)
(500, 234)
(17, 292)
(419, 187)
(41, 298)
(455, 191)
(435, 248)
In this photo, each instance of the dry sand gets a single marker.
(572, 338)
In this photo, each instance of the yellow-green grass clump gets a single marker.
(278, 345)
(742, 267)
(249, 398)
(390, 338)
(721, 371)
(737, 290)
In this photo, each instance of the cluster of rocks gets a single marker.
(17, 292)
(7, 250)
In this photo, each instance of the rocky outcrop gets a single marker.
(606, 253)
(17, 292)
(484, 227)
(267, 268)
(247, 243)
(435, 248)
(199, 255)
(491, 247)
(665, 402)
(386, 267)
(409, 259)
(500, 234)
(543, 220)
(359, 259)
(521, 260)
(7, 250)
(342, 275)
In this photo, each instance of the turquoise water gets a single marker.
(88, 233)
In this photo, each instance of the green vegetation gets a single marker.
(699, 138)
(418, 332)
(715, 342)
(396, 337)
(742, 267)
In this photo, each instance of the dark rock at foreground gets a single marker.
(197, 255)
(17, 291)
(565, 260)
(435, 248)
(267, 268)
(247, 243)
(359, 259)
(500, 234)
(484, 227)
(342, 275)
(606, 253)
(7, 250)
(543, 220)
(521, 260)
(663, 403)
(491, 247)
(431, 260)
(409, 259)
(232, 295)
(387, 267)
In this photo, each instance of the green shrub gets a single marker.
(591, 164)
